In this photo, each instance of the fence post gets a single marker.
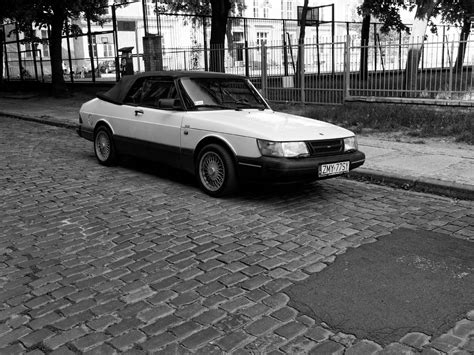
(451, 68)
(204, 29)
(263, 56)
(301, 71)
(246, 52)
(347, 67)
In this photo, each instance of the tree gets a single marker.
(300, 61)
(459, 14)
(219, 11)
(425, 9)
(387, 12)
(57, 15)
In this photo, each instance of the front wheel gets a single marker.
(216, 171)
(104, 148)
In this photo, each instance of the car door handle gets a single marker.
(138, 112)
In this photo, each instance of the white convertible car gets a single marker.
(215, 126)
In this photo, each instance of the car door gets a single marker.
(153, 128)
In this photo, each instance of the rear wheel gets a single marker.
(216, 171)
(104, 148)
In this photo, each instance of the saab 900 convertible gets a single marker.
(216, 126)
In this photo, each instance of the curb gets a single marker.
(426, 185)
(45, 120)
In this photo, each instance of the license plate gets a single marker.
(333, 169)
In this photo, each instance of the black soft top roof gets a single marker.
(118, 92)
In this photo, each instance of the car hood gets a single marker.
(268, 125)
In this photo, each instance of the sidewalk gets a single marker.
(428, 165)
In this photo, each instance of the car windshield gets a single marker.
(221, 93)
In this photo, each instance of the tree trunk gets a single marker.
(422, 16)
(55, 48)
(2, 36)
(220, 12)
(466, 29)
(364, 47)
(300, 59)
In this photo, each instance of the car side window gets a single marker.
(149, 91)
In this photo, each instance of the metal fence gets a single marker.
(265, 50)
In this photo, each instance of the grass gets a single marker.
(414, 120)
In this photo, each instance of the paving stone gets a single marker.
(328, 347)
(159, 341)
(291, 330)
(231, 341)
(396, 348)
(277, 300)
(299, 345)
(363, 347)
(200, 338)
(285, 314)
(127, 340)
(415, 340)
(255, 311)
(156, 312)
(162, 324)
(318, 333)
(445, 342)
(463, 328)
(210, 317)
(64, 337)
(103, 349)
(262, 326)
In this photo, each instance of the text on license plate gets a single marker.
(333, 169)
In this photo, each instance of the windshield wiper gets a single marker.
(249, 104)
(216, 106)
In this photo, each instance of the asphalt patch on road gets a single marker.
(408, 281)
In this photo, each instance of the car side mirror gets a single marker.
(169, 104)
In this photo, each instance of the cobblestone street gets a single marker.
(132, 258)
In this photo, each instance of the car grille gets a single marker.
(326, 147)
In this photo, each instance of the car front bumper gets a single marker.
(293, 170)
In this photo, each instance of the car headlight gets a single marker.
(282, 149)
(350, 144)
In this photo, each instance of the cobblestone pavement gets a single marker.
(130, 259)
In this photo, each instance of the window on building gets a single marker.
(261, 38)
(108, 50)
(94, 46)
(290, 10)
(266, 8)
(255, 8)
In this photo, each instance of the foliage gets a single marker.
(198, 8)
(43, 13)
(58, 16)
(387, 12)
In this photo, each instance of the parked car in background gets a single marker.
(217, 127)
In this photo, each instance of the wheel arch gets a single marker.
(103, 123)
(214, 140)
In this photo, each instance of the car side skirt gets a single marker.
(161, 153)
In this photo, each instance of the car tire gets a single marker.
(104, 147)
(215, 170)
